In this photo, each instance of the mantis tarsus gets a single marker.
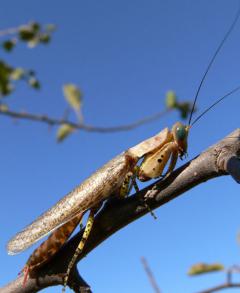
(62, 218)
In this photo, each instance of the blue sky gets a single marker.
(125, 55)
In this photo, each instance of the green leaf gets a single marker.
(6, 89)
(26, 33)
(5, 69)
(33, 42)
(35, 26)
(184, 108)
(33, 82)
(45, 38)
(171, 100)
(9, 45)
(64, 131)
(73, 96)
(17, 73)
(5, 86)
(202, 268)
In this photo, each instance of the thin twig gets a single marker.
(235, 269)
(150, 275)
(229, 276)
(221, 287)
(86, 127)
(9, 31)
(228, 284)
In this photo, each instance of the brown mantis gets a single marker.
(111, 178)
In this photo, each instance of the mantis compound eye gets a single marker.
(181, 132)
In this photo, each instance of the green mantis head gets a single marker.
(180, 135)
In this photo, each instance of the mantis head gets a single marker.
(180, 135)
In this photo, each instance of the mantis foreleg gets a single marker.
(173, 162)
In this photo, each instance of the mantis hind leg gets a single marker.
(80, 247)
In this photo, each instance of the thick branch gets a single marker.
(118, 213)
(86, 127)
(77, 283)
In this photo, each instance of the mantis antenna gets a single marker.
(208, 68)
(215, 103)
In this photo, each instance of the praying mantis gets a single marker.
(117, 176)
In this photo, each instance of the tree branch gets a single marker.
(150, 275)
(9, 31)
(221, 287)
(90, 128)
(117, 213)
(228, 283)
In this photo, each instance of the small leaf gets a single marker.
(73, 96)
(26, 33)
(17, 73)
(50, 27)
(202, 268)
(33, 82)
(33, 42)
(64, 131)
(171, 100)
(185, 109)
(6, 89)
(3, 107)
(5, 69)
(5, 86)
(9, 45)
(44, 38)
(35, 26)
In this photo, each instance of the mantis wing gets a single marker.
(91, 192)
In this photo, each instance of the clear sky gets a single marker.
(124, 55)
